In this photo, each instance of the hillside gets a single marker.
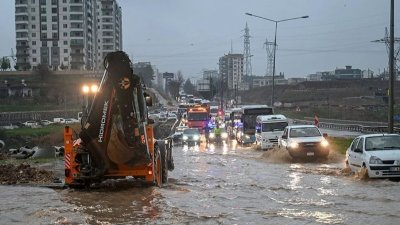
(331, 99)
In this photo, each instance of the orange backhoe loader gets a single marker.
(116, 139)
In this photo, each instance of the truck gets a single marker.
(116, 140)
(198, 116)
(269, 128)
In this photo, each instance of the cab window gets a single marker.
(360, 144)
(354, 144)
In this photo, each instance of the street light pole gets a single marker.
(276, 30)
(273, 68)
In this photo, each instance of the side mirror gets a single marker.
(358, 150)
(149, 101)
(284, 136)
(325, 135)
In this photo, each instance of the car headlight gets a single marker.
(212, 135)
(196, 137)
(324, 143)
(185, 137)
(375, 160)
(224, 135)
(294, 145)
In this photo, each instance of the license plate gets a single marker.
(394, 168)
(310, 153)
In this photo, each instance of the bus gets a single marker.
(247, 127)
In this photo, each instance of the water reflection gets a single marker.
(119, 205)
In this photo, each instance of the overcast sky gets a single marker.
(191, 35)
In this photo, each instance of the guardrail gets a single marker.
(349, 127)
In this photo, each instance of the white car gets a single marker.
(30, 123)
(45, 122)
(304, 141)
(379, 154)
(71, 121)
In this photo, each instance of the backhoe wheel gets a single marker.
(157, 167)
(164, 172)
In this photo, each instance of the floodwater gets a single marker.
(218, 185)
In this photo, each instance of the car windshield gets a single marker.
(268, 127)
(197, 116)
(191, 131)
(180, 129)
(305, 132)
(382, 143)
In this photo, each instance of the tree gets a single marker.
(146, 73)
(42, 71)
(5, 64)
(175, 85)
(188, 87)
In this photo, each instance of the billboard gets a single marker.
(168, 75)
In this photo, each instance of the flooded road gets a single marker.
(218, 185)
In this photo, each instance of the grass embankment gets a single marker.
(44, 136)
(340, 144)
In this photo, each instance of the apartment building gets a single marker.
(64, 34)
(231, 70)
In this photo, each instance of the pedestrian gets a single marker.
(316, 120)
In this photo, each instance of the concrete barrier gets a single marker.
(349, 127)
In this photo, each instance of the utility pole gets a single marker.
(269, 46)
(246, 52)
(391, 67)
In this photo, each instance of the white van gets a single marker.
(268, 130)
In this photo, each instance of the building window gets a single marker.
(53, 10)
(44, 19)
(65, 42)
(65, 50)
(44, 35)
(43, 10)
(44, 43)
(33, 18)
(65, 25)
(33, 51)
(55, 35)
(33, 1)
(55, 43)
(54, 26)
(65, 34)
(32, 9)
(64, 9)
(54, 18)
(64, 1)
(44, 27)
(33, 59)
(66, 59)
(33, 34)
(33, 26)
(65, 17)
(33, 42)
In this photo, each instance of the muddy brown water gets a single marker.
(217, 185)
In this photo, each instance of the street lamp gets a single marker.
(276, 29)
(88, 90)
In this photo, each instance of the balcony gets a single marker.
(77, 54)
(22, 54)
(76, 43)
